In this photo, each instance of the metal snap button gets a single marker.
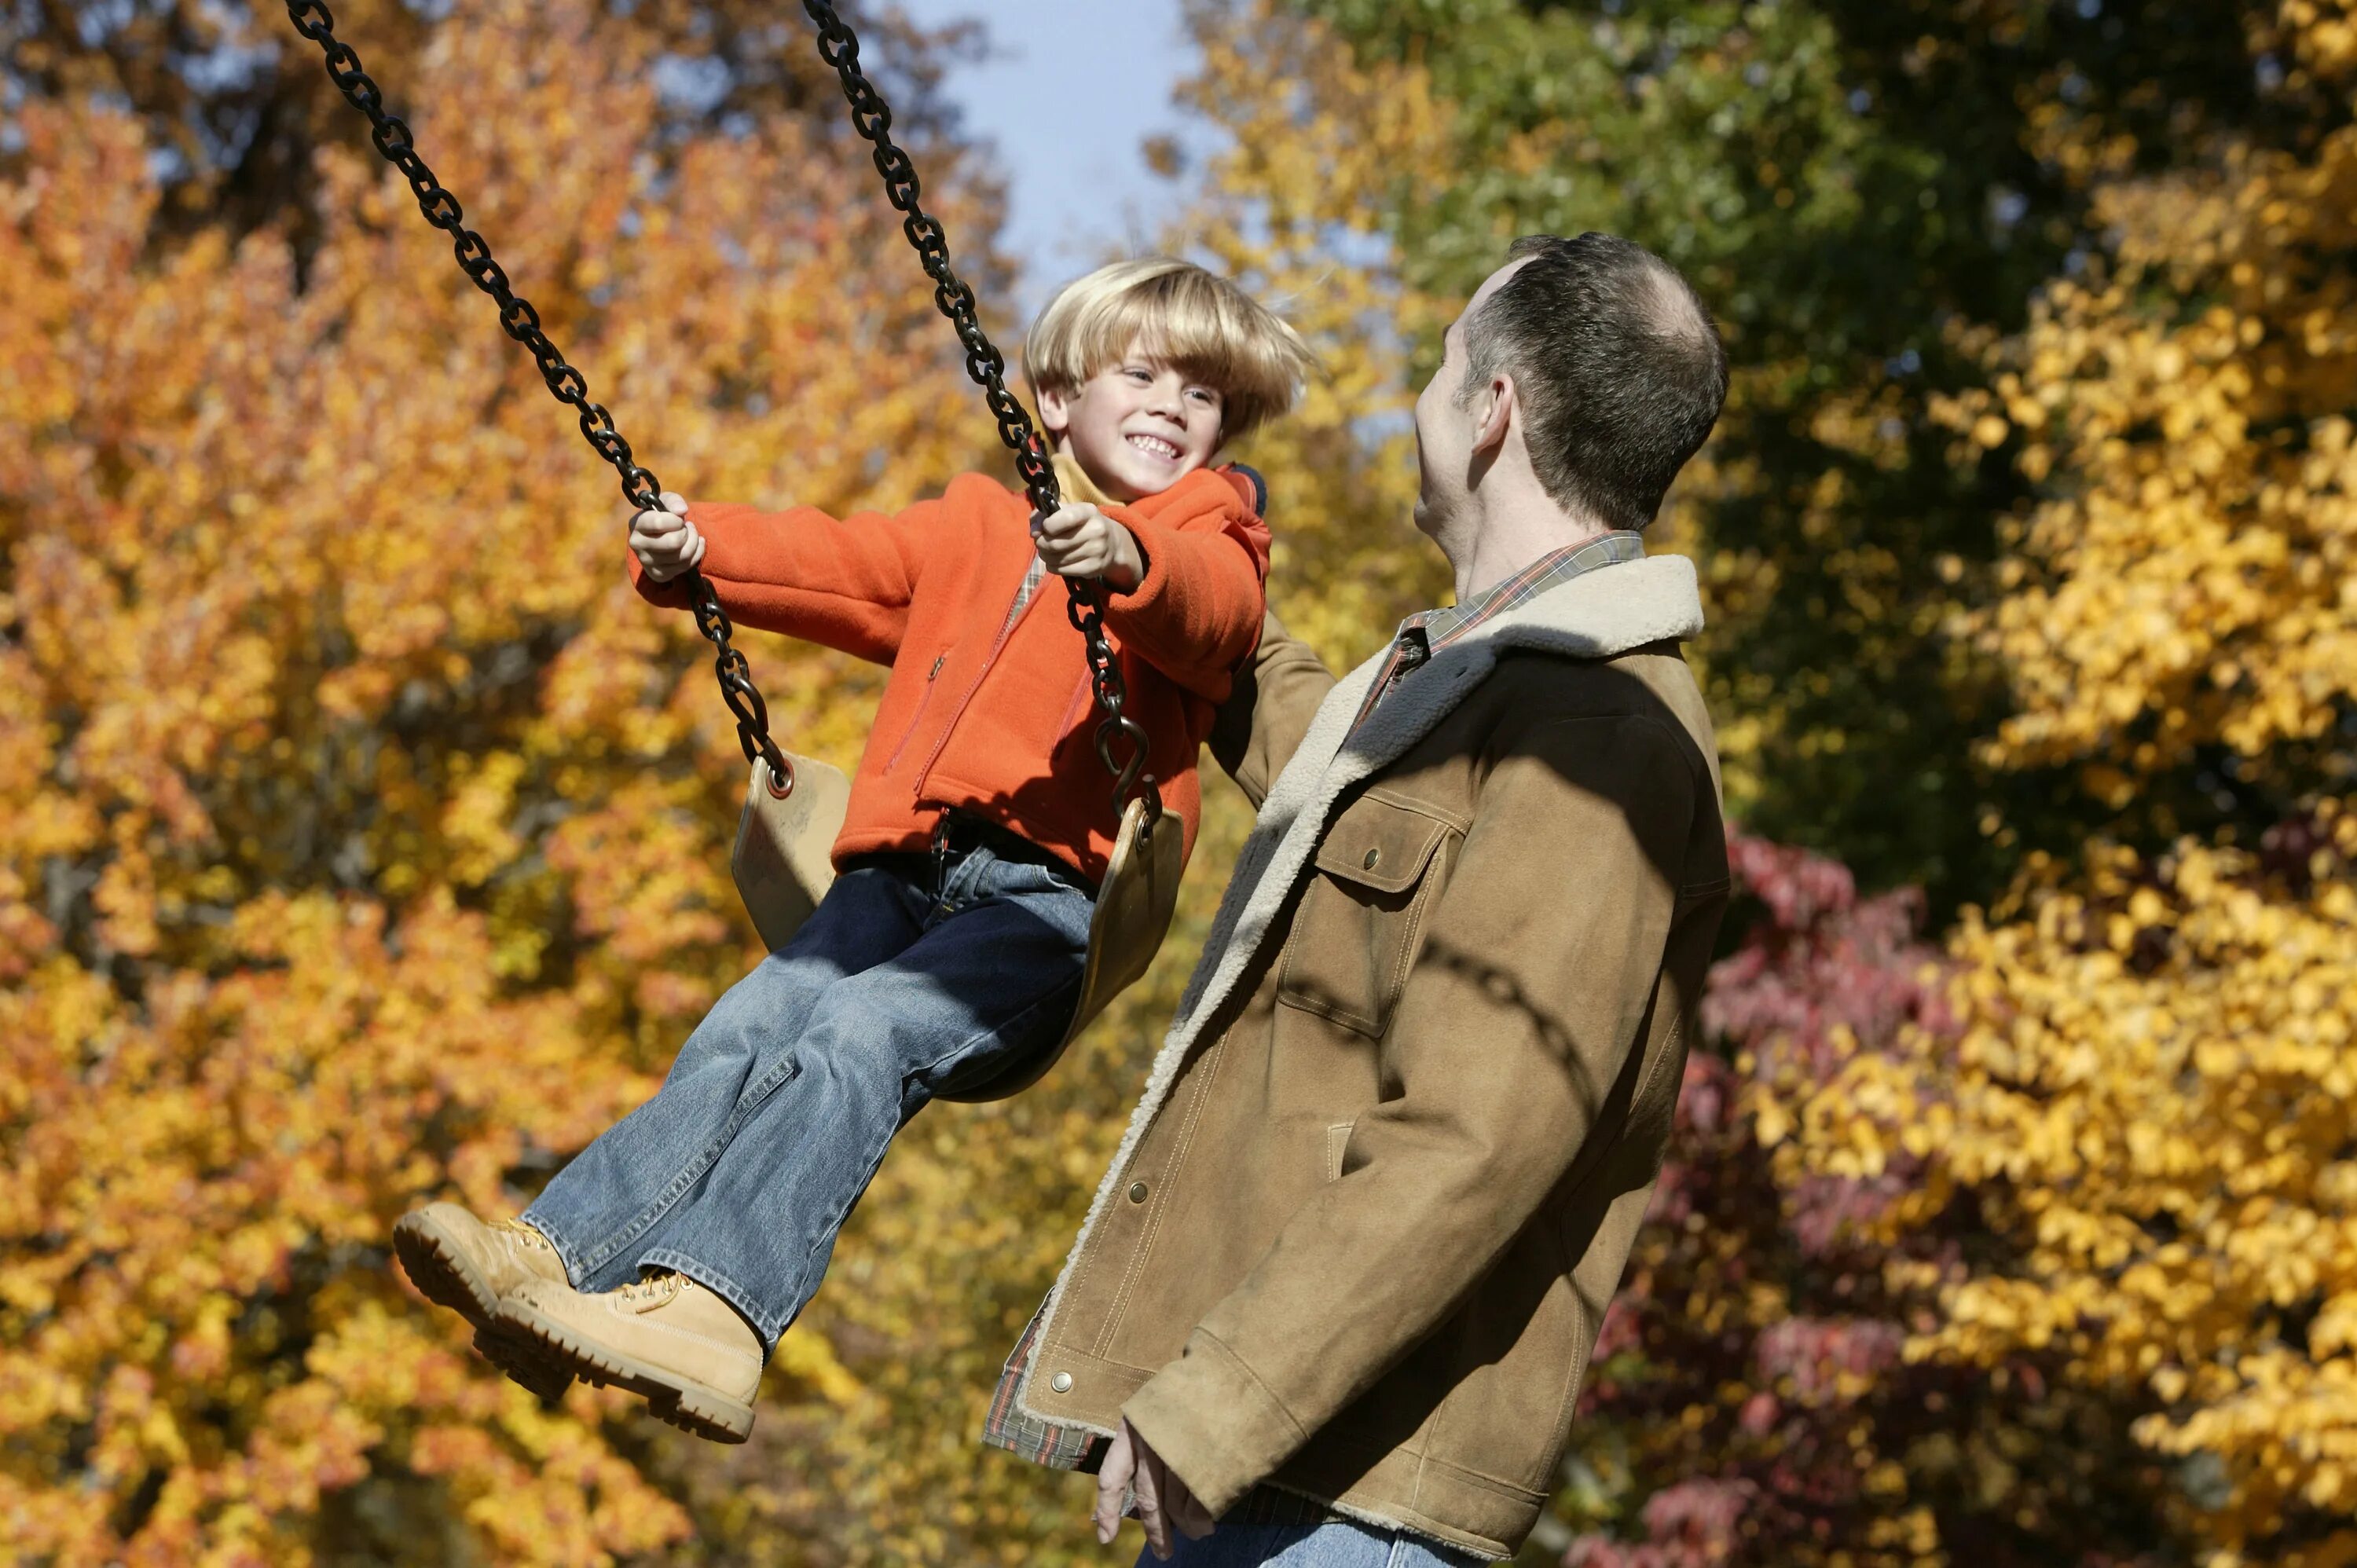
(1061, 1382)
(1137, 1192)
(1373, 855)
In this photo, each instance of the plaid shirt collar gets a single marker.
(1426, 632)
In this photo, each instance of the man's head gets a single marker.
(1145, 368)
(1581, 375)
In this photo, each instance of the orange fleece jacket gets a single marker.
(1001, 724)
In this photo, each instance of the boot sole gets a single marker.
(545, 1379)
(693, 1407)
(438, 1266)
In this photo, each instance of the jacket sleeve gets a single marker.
(1194, 614)
(843, 582)
(1509, 1036)
(1260, 726)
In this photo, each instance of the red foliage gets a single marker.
(1750, 1382)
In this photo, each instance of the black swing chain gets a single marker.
(839, 47)
(391, 138)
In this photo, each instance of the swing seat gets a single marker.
(783, 864)
(783, 858)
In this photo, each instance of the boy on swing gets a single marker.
(673, 1251)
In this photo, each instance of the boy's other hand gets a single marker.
(1079, 540)
(665, 543)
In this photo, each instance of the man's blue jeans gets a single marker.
(1338, 1543)
(912, 977)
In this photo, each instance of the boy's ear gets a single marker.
(1055, 411)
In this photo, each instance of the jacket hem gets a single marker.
(1099, 1386)
(952, 793)
(851, 843)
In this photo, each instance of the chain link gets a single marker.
(391, 138)
(839, 47)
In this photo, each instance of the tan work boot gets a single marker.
(457, 1260)
(666, 1338)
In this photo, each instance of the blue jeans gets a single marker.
(1341, 1543)
(912, 977)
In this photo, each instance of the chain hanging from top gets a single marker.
(839, 47)
(391, 138)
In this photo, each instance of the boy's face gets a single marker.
(1136, 427)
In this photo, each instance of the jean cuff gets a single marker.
(723, 1287)
(574, 1272)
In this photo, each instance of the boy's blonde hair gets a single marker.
(1194, 320)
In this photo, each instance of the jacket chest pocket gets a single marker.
(1355, 931)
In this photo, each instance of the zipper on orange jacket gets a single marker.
(1014, 620)
(918, 717)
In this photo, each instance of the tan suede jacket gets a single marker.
(1390, 1162)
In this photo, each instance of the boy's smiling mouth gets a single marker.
(1155, 446)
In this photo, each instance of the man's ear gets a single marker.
(1497, 413)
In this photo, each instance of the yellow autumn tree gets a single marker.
(2189, 584)
(2147, 1096)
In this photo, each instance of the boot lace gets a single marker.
(653, 1290)
(526, 1234)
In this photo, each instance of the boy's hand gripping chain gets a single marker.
(839, 47)
(392, 137)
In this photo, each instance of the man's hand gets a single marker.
(1079, 540)
(665, 543)
(1163, 1501)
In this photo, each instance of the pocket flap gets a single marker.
(1377, 844)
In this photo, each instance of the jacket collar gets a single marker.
(1072, 482)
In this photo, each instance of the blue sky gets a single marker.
(1069, 91)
